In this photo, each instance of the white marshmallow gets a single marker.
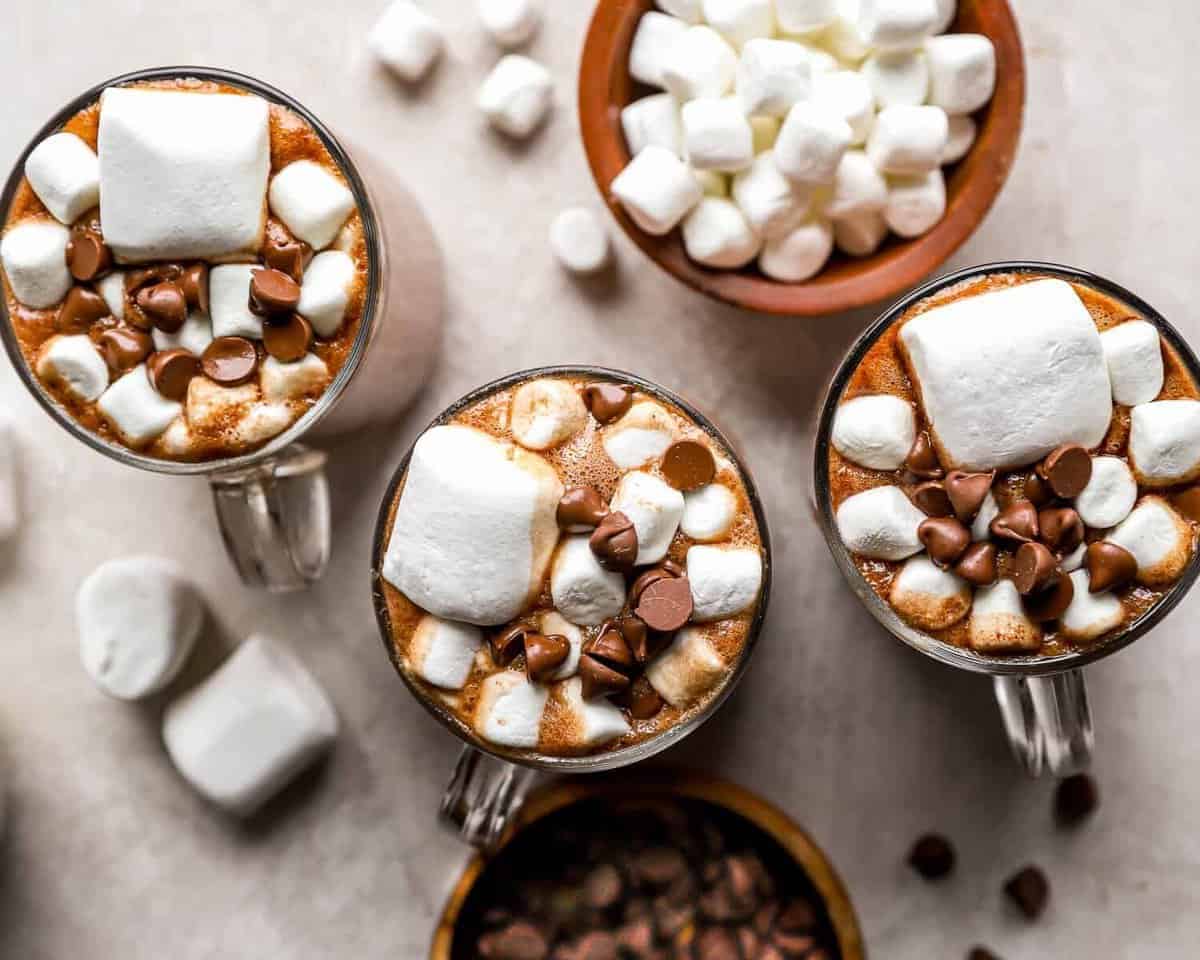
(229, 301)
(811, 144)
(843, 36)
(876, 432)
(10, 513)
(657, 190)
(858, 188)
(860, 235)
(766, 132)
(579, 241)
(475, 526)
(407, 39)
(717, 234)
(708, 513)
(804, 16)
(928, 597)
(1074, 560)
(725, 581)
(112, 289)
(847, 93)
(947, 10)
(772, 77)
(35, 259)
(713, 184)
(509, 711)
(510, 22)
(1089, 615)
(65, 174)
(717, 135)
(1164, 442)
(880, 524)
(687, 669)
(262, 422)
(654, 508)
(182, 175)
(194, 336)
(210, 405)
(915, 204)
(443, 652)
(305, 377)
(690, 11)
(898, 77)
(741, 21)
(896, 24)
(546, 413)
(75, 364)
(641, 435)
(771, 203)
(960, 138)
(699, 63)
(653, 121)
(325, 292)
(246, 731)
(177, 440)
(798, 255)
(981, 526)
(1135, 363)
(583, 591)
(652, 42)
(908, 140)
(998, 622)
(137, 411)
(1110, 494)
(311, 202)
(962, 71)
(1159, 539)
(517, 95)
(554, 624)
(592, 723)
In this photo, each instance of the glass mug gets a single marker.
(490, 782)
(1043, 700)
(272, 505)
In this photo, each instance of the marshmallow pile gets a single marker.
(485, 529)
(788, 128)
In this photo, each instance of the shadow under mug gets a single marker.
(272, 505)
(1043, 701)
(490, 782)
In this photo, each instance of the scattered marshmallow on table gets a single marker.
(699, 63)
(1164, 442)
(229, 301)
(811, 144)
(1159, 539)
(250, 728)
(771, 203)
(443, 652)
(579, 241)
(962, 71)
(281, 381)
(65, 174)
(1089, 615)
(35, 260)
(876, 432)
(961, 131)
(860, 235)
(725, 581)
(804, 16)
(509, 710)
(10, 517)
(311, 201)
(583, 591)
(1109, 495)
(517, 95)
(510, 22)
(137, 411)
(717, 135)
(998, 622)
(690, 11)
(653, 121)
(687, 669)
(325, 291)
(847, 93)
(928, 597)
(717, 234)
(798, 254)
(655, 509)
(545, 413)
(708, 513)
(657, 190)
(138, 619)
(554, 624)
(652, 43)
(896, 24)
(1135, 362)
(858, 188)
(741, 21)
(908, 139)
(591, 723)
(640, 436)
(772, 77)
(898, 77)
(915, 204)
(880, 524)
(407, 39)
(74, 363)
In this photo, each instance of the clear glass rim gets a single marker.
(371, 301)
(962, 658)
(626, 755)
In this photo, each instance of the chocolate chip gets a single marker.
(1109, 566)
(609, 647)
(230, 361)
(141, 277)
(1029, 890)
(518, 941)
(662, 572)
(123, 348)
(642, 643)
(1033, 568)
(509, 645)
(273, 293)
(1018, 522)
(797, 917)
(171, 371)
(1060, 528)
(288, 256)
(599, 679)
(1076, 799)
(922, 459)
(165, 305)
(544, 655)
(1067, 470)
(967, 491)
(581, 507)
(615, 543)
(641, 700)
(607, 401)
(1051, 601)
(688, 465)
(194, 284)
(88, 256)
(978, 564)
(80, 310)
(666, 604)
(288, 340)
(1037, 490)
(946, 540)
(659, 867)
(932, 500)
(932, 856)
(1187, 502)
(981, 953)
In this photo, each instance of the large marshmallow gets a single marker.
(799, 254)
(1164, 442)
(194, 336)
(928, 597)
(960, 138)
(916, 204)
(554, 624)
(252, 726)
(708, 513)
(579, 241)
(725, 581)
(325, 292)
(112, 289)
(717, 135)
(583, 591)
(981, 526)
(896, 24)
(546, 413)
(1007, 376)
(407, 39)
(305, 377)
(35, 260)
(741, 21)
(908, 140)
(182, 175)
(10, 512)
(1109, 495)
(1089, 615)
(1135, 362)
(74, 364)
(510, 22)
(772, 77)
(475, 526)
(717, 234)
(655, 509)
(442, 652)
(138, 620)
(771, 203)
(137, 411)
(1159, 539)
(811, 144)
(517, 95)
(591, 723)
(311, 201)
(211, 406)
(689, 11)
(962, 71)
(687, 669)
(860, 235)
(699, 63)
(858, 188)
(641, 435)
(898, 77)
(656, 34)
(509, 710)
(847, 94)
(880, 524)
(876, 432)
(657, 190)
(229, 301)
(653, 121)
(998, 622)
(65, 174)
(804, 16)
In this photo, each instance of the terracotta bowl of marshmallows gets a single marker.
(801, 157)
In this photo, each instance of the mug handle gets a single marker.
(275, 519)
(1048, 721)
(482, 796)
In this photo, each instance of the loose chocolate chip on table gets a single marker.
(599, 679)
(978, 564)
(517, 941)
(1061, 528)
(666, 604)
(544, 655)
(1037, 490)
(1109, 566)
(967, 491)
(1067, 470)
(1187, 502)
(1051, 601)
(945, 538)
(194, 284)
(581, 507)
(642, 700)
(289, 256)
(609, 647)
(1018, 522)
(607, 401)
(272, 293)
(981, 953)
(932, 500)
(932, 856)
(1076, 799)
(165, 305)
(171, 371)
(289, 340)
(88, 256)
(1033, 568)
(922, 459)
(507, 646)
(230, 361)
(123, 348)
(688, 465)
(615, 543)
(80, 310)
(1029, 890)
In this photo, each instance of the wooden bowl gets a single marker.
(972, 184)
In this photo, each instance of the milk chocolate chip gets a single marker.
(124, 348)
(287, 339)
(666, 604)
(945, 538)
(147, 276)
(171, 371)
(273, 293)
(1076, 799)
(978, 564)
(967, 491)
(609, 647)
(1067, 470)
(290, 256)
(922, 459)
(932, 500)
(932, 856)
(165, 305)
(88, 256)
(507, 646)
(1037, 490)
(1033, 568)
(688, 465)
(615, 543)
(194, 284)
(607, 401)
(599, 679)
(544, 655)
(1060, 528)
(1109, 567)
(981, 953)
(581, 507)
(1187, 502)
(642, 700)
(1018, 522)
(642, 643)
(80, 310)
(230, 361)
(1029, 890)
(668, 568)
(1051, 601)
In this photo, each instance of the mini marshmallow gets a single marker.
(1109, 495)
(928, 597)
(898, 77)
(699, 63)
(962, 71)
(311, 202)
(960, 138)
(65, 174)
(407, 39)
(653, 121)
(579, 241)
(475, 527)
(510, 22)
(305, 377)
(554, 624)
(725, 581)
(811, 144)
(229, 301)
(804, 16)
(947, 10)
(583, 591)
(981, 526)
(1164, 442)
(1074, 560)
(771, 203)
(1159, 539)
(35, 259)
(1135, 363)
(843, 36)
(717, 234)
(546, 413)
(592, 723)
(766, 132)
(717, 135)
(847, 94)
(772, 77)
(262, 422)
(858, 188)
(916, 204)
(194, 336)
(654, 508)
(690, 11)
(860, 235)
(517, 95)
(1090, 615)
(641, 435)
(325, 292)
(443, 652)
(876, 432)
(653, 40)
(880, 524)
(10, 515)
(908, 140)
(799, 254)
(896, 24)
(509, 710)
(210, 405)
(74, 364)
(657, 190)
(251, 727)
(741, 21)
(112, 289)
(998, 622)
(137, 411)
(708, 513)
(712, 184)
(687, 669)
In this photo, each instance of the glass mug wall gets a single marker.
(272, 504)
